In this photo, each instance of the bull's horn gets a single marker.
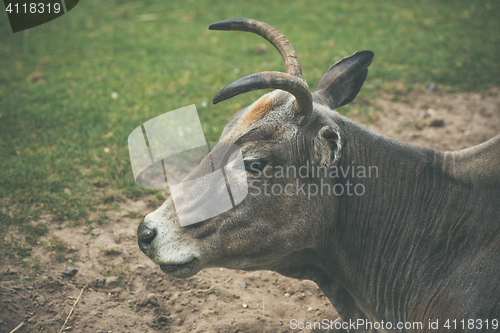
(293, 82)
(273, 35)
(274, 80)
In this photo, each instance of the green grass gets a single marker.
(63, 139)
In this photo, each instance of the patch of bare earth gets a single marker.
(125, 292)
(438, 120)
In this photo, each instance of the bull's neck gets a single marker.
(370, 221)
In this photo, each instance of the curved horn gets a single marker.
(292, 81)
(275, 80)
(271, 34)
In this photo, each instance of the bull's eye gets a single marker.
(255, 166)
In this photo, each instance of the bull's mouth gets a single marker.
(183, 270)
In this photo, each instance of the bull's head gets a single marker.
(289, 126)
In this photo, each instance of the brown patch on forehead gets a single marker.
(258, 111)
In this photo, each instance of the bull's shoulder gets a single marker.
(476, 166)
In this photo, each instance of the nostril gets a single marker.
(145, 236)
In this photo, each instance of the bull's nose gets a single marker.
(145, 236)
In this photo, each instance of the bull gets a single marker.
(420, 244)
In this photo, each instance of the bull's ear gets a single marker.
(342, 81)
(328, 146)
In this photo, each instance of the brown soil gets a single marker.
(126, 292)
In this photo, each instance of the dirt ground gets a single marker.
(123, 291)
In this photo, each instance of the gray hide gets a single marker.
(421, 243)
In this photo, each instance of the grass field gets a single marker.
(63, 138)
